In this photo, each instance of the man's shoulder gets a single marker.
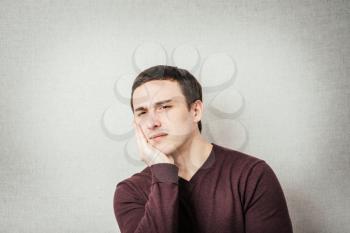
(141, 176)
(240, 165)
(234, 158)
(138, 181)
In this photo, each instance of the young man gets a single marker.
(189, 184)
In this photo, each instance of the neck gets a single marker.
(191, 156)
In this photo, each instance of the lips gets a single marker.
(159, 135)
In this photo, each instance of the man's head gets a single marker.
(179, 116)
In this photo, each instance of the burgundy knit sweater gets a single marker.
(231, 192)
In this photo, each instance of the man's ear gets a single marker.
(197, 110)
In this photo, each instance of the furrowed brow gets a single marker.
(156, 104)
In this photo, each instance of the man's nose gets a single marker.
(153, 120)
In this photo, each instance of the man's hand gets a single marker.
(148, 153)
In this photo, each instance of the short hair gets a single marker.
(190, 87)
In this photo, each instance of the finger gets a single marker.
(143, 136)
(140, 136)
(137, 135)
(140, 132)
(140, 144)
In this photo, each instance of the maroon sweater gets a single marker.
(231, 192)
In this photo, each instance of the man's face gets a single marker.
(160, 109)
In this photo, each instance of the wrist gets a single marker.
(160, 159)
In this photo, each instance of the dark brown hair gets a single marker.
(190, 87)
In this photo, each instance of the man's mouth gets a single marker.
(158, 137)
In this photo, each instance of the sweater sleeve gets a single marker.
(265, 206)
(159, 213)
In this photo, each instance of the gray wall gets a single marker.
(65, 69)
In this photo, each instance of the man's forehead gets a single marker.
(154, 91)
(147, 101)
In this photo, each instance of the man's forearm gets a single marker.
(159, 213)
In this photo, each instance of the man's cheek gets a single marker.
(137, 119)
(141, 122)
(183, 128)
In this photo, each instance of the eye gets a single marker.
(165, 106)
(141, 113)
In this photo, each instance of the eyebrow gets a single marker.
(156, 104)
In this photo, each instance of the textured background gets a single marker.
(59, 61)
